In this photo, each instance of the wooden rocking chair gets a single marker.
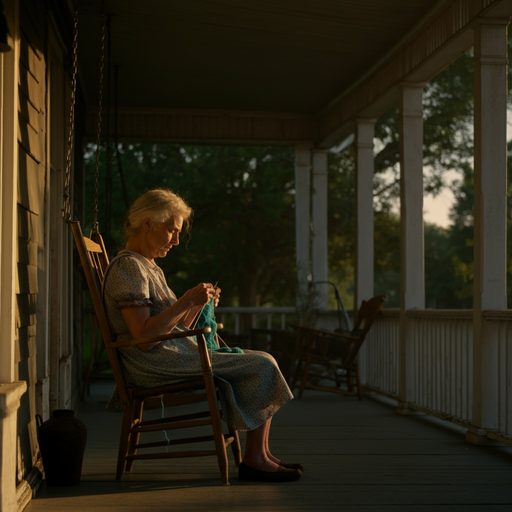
(335, 353)
(95, 261)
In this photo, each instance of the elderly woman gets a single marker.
(140, 304)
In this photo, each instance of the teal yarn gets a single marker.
(207, 319)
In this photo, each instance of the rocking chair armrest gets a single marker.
(161, 337)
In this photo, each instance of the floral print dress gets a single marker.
(252, 388)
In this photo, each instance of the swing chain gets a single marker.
(66, 207)
(95, 225)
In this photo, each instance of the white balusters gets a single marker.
(501, 323)
(382, 350)
(442, 345)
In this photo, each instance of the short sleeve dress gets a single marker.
(252, 388)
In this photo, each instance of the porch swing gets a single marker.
(94, 259)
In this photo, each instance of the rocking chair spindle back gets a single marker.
(335, 352)
(95, 262)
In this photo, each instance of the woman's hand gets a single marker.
(200, 294)
(142, 325)
(195, 299)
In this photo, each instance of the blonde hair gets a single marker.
(159, 204)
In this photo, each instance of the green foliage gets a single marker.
(341, 225)
(243, 234)
(448, 144)
(461, 239)
(448, 111)
(447, 133)
(387, 257)
(448, 120)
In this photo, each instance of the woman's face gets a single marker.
(163, 235)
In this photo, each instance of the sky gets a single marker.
(436, 209)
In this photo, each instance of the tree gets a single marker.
(448, 113)
(341, 224)
(461, 236)
(244, 222)
(447, 132)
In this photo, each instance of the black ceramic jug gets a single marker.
(62, 441)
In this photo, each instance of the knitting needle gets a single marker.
(199, 314)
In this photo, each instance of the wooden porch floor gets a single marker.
(359, 456)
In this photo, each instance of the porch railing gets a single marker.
(268, 318)
(443, 363)
(380, 352)
(501, 322)
(442, 346)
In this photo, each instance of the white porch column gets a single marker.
(10, 392)
(364, 210)
(319, 218)
(490, 212)
(8, 194)
(10, 395)
(302, 213)
(412, 293)
(365, 168)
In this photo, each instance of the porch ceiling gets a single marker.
(289, 56)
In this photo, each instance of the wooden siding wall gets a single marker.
(31, 197)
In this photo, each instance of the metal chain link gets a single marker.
(66, 207)
(95, 225)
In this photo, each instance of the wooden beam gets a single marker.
(206, 126)
(440, 38)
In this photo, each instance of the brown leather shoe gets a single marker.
(283, 474)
